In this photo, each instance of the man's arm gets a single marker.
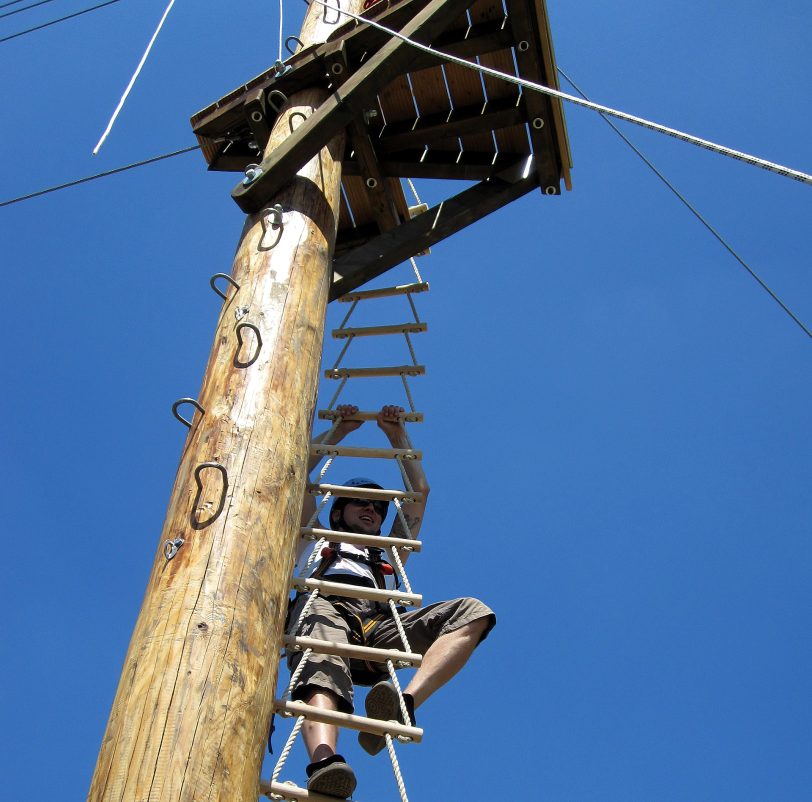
(329, 437)
(413, 512)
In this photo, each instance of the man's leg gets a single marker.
(446, 634)
(444, 658)
(320, 739)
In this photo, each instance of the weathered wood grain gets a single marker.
(191, 714)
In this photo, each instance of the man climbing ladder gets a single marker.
(446, 633)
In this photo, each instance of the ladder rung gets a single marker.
(321, 450)
(395, 370)
(290, 792)
(362, 723)
(365, 492)
(357, 539)
(371, 331)
(384, 292)
(353, 652)
(406, 417)
(355, 591)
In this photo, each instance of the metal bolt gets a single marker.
(372, 182)
(252, 172)
(524, 45)
(551, 191)
(370, 114)
(538, 123)
(337, 68)
(256, 116)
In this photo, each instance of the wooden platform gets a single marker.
(407, 114)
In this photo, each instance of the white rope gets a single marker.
(305, 610)
(406, 531)
(407, 720)
(347, 316)
(298, 673)
(414, 308)
(281, 18)
(411, 347)
(133, 79)
(324, 470)
(401, 570)
(414, 191)
(399, 625)
(755, 161)
(347, 342)
(408, 392)
(319, 508)
(337, 393)
(396, 768)
(286, 749)
(416, 271)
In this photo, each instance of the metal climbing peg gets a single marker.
(196, 524)
(275, 215)
(293, 115)
(171, 547)
(228, 278)
(180, 417)
(257, 334)
(272, 100)
(299, 43)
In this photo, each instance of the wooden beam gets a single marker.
(441, 221)
(191, 714)
(335, 113)
(381, 201)
(541, 124)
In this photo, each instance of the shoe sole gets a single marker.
(382, 703)
(337, 780)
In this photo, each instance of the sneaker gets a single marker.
(383, 703)
(331, 777)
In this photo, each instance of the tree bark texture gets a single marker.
(191, 714)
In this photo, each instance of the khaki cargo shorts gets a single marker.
(325, 622)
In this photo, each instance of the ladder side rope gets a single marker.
(396, 768)
(755, 161)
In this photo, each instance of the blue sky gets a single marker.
(616, 414)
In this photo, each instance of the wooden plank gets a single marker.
(461, 121)
(431, 98)
(440, 164)
(369, 373)
(387, 250)
(361, 723)
(385, 292)
(376, 541)
(363, 452)
(327, 588)
(344, 491)
(400, 658)
(372, 331)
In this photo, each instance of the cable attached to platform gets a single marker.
(695, 212)
(755, 161)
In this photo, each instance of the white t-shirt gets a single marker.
(346, 566)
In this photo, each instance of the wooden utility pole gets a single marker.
(191, 714)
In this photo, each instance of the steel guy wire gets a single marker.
(24, 8)
(105, 174)
(695, 212)
(61, 19)
(755, 161)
